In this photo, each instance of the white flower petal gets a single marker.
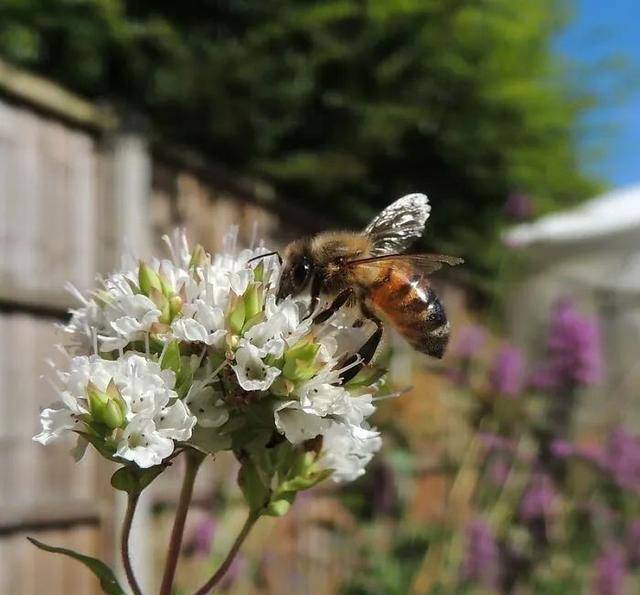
(211, 317)
(297, 425)
(239, 281)
(347, 450)
(251, 371)
(188, 329)
(176, 422)
(55, 423)
(207, 406)
(142, 444)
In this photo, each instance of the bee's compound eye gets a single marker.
(301, 271)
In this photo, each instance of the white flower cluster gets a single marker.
(187, 350)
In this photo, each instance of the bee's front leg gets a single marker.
(340, 300)
(316, 287)
(368, 349)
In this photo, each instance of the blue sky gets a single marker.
(604, 30)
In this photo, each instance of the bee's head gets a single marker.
(297, 269)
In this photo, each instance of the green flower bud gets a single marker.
(258, 272)
(102, 297)
(162, 303)
(166, 288)
(253, 300)
(198, 257)
(299, 362)
(259, 317)
(148, 279)
(282, 387)
(236, 315)
(175, 306)
(171, 358)
(113, 415)
(107, 407)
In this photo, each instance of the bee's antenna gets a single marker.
(276, 253)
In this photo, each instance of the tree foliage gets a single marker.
(342, 104)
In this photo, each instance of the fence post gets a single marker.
(130, 196)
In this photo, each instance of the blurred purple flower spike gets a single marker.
(496, 442)
(622, 459)
(203, 536)
(539, 498)
(610, 571)
(469, 341)
(574, 349)
(481, 557)
(507, 372)
(519, 207)
(499, 472)
(562, 449)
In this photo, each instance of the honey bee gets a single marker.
(368, 269)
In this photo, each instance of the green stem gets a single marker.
(222, 569)
(132, 502)
(194, 459)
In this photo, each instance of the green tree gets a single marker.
(342, 104)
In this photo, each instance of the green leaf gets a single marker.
(133, 480)
(209, 440)
(99, 443)
(254, 489)
(104, 574)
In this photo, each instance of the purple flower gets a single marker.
(497, 442)
(574, 350)
(622, 458)
(507, 372)
(610, 571)
(518, 207)
(538, 499)
(481, 558)
(469, 341)
(591, 453)
(633, 543)
(562, 449)
(199, 535)
(499, 471)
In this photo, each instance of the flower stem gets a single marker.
(194, 459)
(132, 502)
(222, 569)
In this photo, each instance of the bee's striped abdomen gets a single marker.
(409, 303)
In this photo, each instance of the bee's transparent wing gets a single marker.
(399, 225)
(425, 263)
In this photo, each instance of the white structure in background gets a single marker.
(591, 253)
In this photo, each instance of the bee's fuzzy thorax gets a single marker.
(331, 245)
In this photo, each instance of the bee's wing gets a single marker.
(399, 225)
(425, 263)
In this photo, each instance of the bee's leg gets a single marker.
(368, 349)
(340, 300)
(316, 286)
